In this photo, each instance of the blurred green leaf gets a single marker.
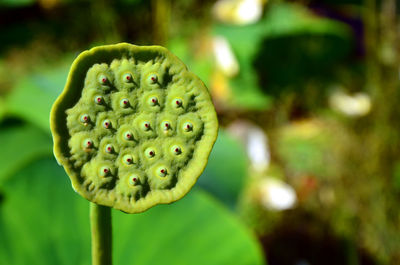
(34, 95)
(42, 221)
(201, 65)
(226, 170)
(16, 3)
(282, 20)
(20, 145)
(2, 108)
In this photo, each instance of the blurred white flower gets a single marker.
(355, 105)
(255, 142)
(225, 59)
(249, 11)
(277, 195)
(257, 149)
(240, 12)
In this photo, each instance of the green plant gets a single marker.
(132, 129)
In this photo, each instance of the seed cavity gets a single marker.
(153, 101)
(103, 79)
(128, 135)
(153, 78)
(133, 180)
(128, 159)
(107, 124)
(150, 152)
(166, 125)
(98, 100)
(187, 126)
(109, 148)
(104, 171)
(146, 126)
(124, 103)
(176, 150)
(177, 103)
(127, 77)
(162, 172)
(85, 118)
(88, 143)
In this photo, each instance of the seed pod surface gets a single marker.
(122, 129)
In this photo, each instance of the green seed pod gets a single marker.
(133, 127)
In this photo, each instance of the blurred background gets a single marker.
(306, 168)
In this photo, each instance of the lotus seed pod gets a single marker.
(133, 127)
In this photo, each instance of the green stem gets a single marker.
(100, 220)
(161, 10)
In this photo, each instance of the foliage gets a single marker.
(344, 169)
(43, 221)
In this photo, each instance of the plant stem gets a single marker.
(100, 220)
(161, 14)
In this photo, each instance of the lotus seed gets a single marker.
(98, 99)
(127, 77)
(153, 79)
(107, 124)
(104, 171)
(128, 159)
(124, 103)
(178, 103)
(187, 126)
(133, 180)
(162, 172)
(88, 143)
(85, 119)
(103, 79)
(128, 136)
(146, 126)
(166, 126)
(109, 148)
(176, 150)
(153, 101)
(150, 153)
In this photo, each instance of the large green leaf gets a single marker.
(226, 170)
(42, 221)
(34, 95)
(20, 145)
